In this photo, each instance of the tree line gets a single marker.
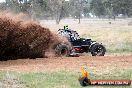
(59, 9)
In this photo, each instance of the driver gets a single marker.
(71, 35)
(66, 27)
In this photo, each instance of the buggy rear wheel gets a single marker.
(62, 50)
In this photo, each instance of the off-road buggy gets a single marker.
(79, 45)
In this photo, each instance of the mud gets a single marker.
(74, 64)
(20, 38)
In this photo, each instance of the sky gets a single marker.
(2, 0)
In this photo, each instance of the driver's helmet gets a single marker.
(66, 27)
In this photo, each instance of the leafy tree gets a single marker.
(97, 7)
(111, 8)
(59, 9)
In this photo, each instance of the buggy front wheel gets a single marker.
(98, 50)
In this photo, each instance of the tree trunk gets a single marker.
(33, 15)
(59, 13)
(79, 19)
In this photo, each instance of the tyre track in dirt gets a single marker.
(65, 63)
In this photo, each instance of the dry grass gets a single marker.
(117, 36)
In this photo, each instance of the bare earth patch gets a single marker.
(66, 63)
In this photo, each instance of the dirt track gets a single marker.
(67, 63)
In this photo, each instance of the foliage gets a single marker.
(111, 7)
(58, 9)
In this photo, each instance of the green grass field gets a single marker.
(61, 79)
